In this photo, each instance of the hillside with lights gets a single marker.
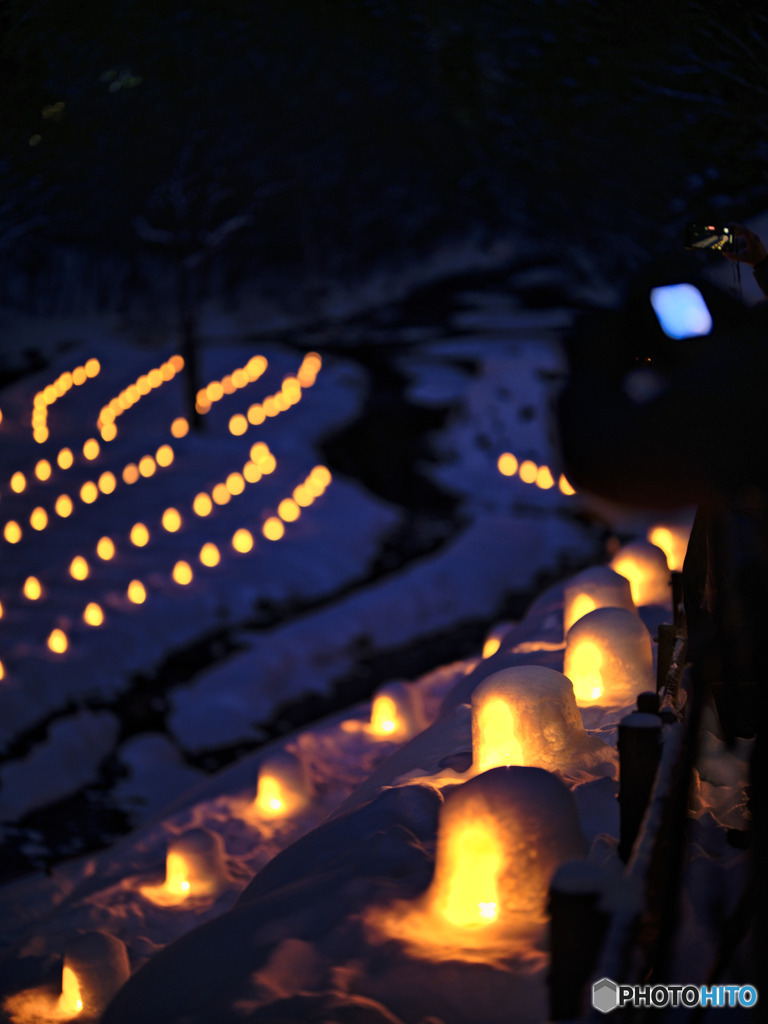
(171, 598)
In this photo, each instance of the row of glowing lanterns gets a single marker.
(261, 463)
(273, 405)
(506, 824)
(530, 473)
(182, 573)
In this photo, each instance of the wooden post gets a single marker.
(666, 642)
(577, 927)
(678, 604)
(639, 754)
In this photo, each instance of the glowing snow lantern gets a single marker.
(64, 506)
(242, 541)
(273, 529)
(12, 532)
(283, 787)
(89, 492)
(209, 555)
(171, 520)
(96, 965)
(645, 566)
(131, 473)
(136, 592)
(91, 449)
(164, 455)
(139, 535)
(194, 866)
(597, 587)
(105, 549)
(78, 568)
(182, 573)
(43, 470)
(107, 482)
(38, 518)
(57, 641)
(238, 425)
(527, 715)
(93, 614)
(494, 639)
(395, 713)
(672, 538)
(251, 473)
(501, 837)
(33, 589)
(609, 657)
(202, 504)
(220, 494)
(507, 464)
(544, 478)
(288, 510)
(147, 466)
(235, 484)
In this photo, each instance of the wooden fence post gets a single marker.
(639, 755)
(577, 928)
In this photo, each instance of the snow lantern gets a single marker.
(501, 836)
(283, 787)
(609, 657)
(394, 713)
(597, 587)
(672, 538)
(527, 715)
(95, 966)
(645, 566)
(494, 639)
(194, 866)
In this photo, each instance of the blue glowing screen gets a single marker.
(681, 311)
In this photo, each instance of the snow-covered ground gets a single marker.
(305, 938)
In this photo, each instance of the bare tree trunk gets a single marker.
(189, 345)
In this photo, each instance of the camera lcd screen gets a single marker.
(712, 237)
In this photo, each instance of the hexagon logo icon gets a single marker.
(605, 995)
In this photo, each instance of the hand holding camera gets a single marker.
(750, 248)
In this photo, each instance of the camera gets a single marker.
(712, 237)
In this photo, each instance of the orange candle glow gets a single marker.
(194, 867)
(645, 566)
(609, 658)
(501, 836)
